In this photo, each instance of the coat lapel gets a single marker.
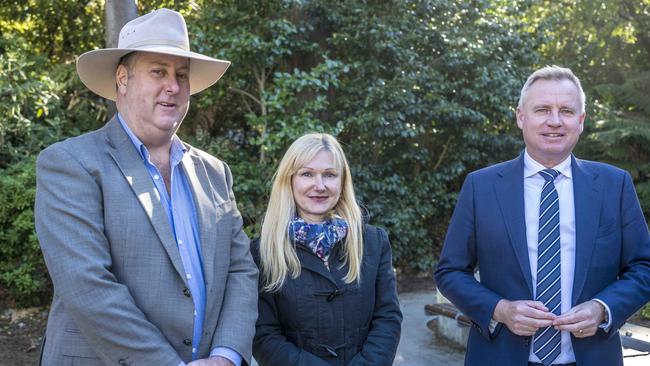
(587, 196)
(509, 190)
(309, 261)
(204, 202)
(130, 163)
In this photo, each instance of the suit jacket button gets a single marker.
(187, 342)
(186, 292)
(526, 341)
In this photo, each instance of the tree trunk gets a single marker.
(116, 14)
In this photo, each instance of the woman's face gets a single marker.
(316, 187)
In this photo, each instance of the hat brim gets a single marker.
(96, 68)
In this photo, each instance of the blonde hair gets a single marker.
(278, 255)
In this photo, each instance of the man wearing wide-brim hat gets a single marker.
(140, 231)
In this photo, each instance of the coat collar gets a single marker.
(311, 262)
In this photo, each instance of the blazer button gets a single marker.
(526, 341)
(186, 292)
(187, 342)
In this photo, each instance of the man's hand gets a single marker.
(582, 320)
(212, 361)
(523, 317)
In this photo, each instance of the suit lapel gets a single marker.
(587, 196)
(204, 202)
(130, 163)
(509, 190)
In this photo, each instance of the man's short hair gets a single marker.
(552, 73)
(127, 60)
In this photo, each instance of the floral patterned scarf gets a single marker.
(321, 238)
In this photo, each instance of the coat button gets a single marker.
(186, 292)
(526, 341)
(187, 342)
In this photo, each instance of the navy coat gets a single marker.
(319, 320)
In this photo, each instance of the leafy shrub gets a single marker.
(22, 271)
(645, 311)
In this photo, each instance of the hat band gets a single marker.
(159, 42)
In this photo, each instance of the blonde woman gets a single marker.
(327, 285)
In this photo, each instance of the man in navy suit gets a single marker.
(561, 243)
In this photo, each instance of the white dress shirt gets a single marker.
(533, 183)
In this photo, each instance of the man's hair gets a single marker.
(127, 61)
(556, 73)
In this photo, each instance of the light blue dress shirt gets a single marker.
(182, 217)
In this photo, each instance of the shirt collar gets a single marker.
(532, 167)
(176, 152)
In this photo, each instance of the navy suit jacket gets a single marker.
(488, 232)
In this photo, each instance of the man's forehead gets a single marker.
(545, 91)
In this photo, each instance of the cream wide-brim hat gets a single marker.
(161, 31)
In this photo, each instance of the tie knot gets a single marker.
(549, 174)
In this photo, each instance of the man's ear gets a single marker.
(520, 117)
(121, 78)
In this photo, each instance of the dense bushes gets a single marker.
(420, 92)
(22, 270)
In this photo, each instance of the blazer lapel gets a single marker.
(509, 190)
(587, 196)
(130, 163)
(204, 202)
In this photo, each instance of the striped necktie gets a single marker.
(546, 343)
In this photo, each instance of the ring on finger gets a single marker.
(580, 331)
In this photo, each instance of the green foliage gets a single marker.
(277, 90)
(56, 29)
(30, 113)
(414, 111)
(645, 312)
(22, 270)
(405, 94)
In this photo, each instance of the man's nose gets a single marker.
(554, 118)
(172, 85)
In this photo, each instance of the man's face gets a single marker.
(155, 91)
(551, 120)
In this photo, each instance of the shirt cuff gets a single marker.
(605, 326)
(493, 325)
(228, 353)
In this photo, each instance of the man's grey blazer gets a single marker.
(119, 293)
